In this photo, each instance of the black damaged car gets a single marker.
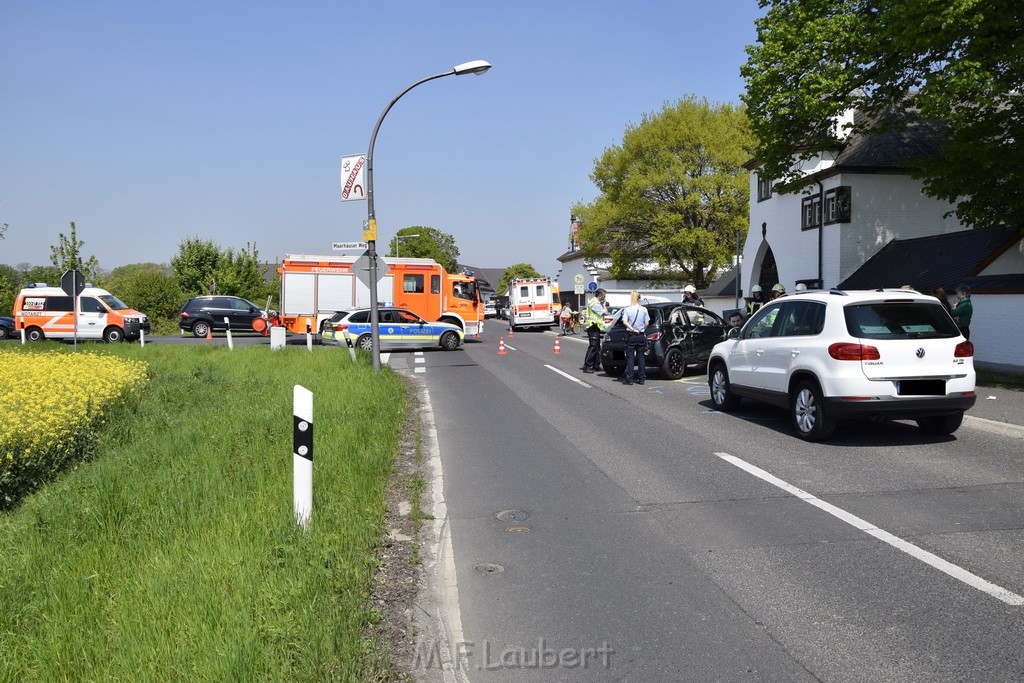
(678, 335)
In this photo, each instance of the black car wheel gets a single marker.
(449, 341)
(34, 334)
(674, 365)
(613, 370)
(6, 333)
(807, 408)
(200, 328)
(365, 342)
(112, 335)
(721, 393)
(941, 424)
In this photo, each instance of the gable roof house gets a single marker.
(860, 221)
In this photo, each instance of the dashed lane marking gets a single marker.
(568, 376)
(931, 559)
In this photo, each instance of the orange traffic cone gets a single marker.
(501, 346)
(558, 349)
(209, 332)
(511, 333)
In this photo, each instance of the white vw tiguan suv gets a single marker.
(829, 356)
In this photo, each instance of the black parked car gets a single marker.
(6, 327)
(679, 335)
(202, 313)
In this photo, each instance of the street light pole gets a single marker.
(370, 234)
(398, 244)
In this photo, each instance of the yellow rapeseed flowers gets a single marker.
(53, 401)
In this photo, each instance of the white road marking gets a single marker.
(442, 562)
(914, 551)
(420, 360)
(568, 376)
(418, 369)
(385, 357)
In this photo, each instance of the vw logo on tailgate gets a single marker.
(920, 352)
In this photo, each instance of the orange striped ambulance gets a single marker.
(45, 312)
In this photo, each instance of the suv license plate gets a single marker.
(921, 387)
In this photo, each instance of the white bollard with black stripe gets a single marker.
(227, 328)
(302, 454)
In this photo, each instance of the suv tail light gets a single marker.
(654, 336)
(964, 349)
(847, 351)
(185, 314)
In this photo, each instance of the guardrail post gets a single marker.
(227, 324)
(302, 455)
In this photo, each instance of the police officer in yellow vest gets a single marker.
(593, 323)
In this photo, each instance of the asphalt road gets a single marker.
(595, 531)
(607, 532)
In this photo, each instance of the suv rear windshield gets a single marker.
(899, 321)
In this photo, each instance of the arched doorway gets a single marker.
(765, 272)
(769, 271)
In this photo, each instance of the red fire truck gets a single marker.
(313, 287)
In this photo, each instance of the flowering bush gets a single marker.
(53, 405)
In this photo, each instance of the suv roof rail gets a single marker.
(837, 292)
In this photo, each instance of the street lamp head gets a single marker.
(477, 66)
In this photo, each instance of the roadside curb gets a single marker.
(1004, 428)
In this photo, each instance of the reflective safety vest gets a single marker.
(594, 318)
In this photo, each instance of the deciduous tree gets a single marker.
(195, 264)
(674, 193)
(517, 271)
(429, 243)
(67, 255)
(958, 65)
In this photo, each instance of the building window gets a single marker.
(838, 205)
(810, 215)
(764, 188)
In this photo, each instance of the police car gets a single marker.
(399, 329)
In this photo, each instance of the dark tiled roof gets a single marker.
(723, 285)
(488, 278)
(896, 149)
(926, 263)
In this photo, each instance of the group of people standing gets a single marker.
(635, 318)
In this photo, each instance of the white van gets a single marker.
(46, 312)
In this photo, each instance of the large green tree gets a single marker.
(673, 193)
(427, 243)
(959, 66)
(517, 271)
(195, 265)
(67, 255)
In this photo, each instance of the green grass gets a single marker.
(1000, 380)
(174, 554)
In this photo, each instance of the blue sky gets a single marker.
(146, 123)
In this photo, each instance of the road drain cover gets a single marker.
(513, 515)
(517, 529)
(489, 568)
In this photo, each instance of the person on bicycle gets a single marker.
(566, 319)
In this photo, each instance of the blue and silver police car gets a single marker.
(399, 329)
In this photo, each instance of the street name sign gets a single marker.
(348, 246)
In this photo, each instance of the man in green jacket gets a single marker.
(963, 310)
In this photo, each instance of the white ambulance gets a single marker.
(45, 312)
(531, 304)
